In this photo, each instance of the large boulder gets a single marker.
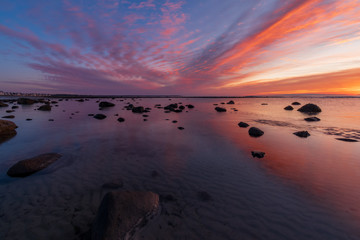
(255, 132)
(29, 166)
(45, 107)
(106, 104)
(121, 212)
(26, 101)
(310, 108)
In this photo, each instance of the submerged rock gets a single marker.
(255, 132)
(243, 124)
(138, 109)
(121, 212)
(45, 107)
(303, 134)
(100, 116)
(310, 108)
(289, 108)
(29, 166)
(181, 128)
(312, 119)
(257, 154)
(26, 101)
(220, 109)
(347, 139)
(9, 116)
(106, 104)
(120, 119)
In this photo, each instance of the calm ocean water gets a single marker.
(301, 189)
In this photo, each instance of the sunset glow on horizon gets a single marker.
(211, 47)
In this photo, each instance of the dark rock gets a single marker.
(257, 154)
(310, 108)
(26, 101)
(182, 107)
(347, 139)
(7, 129)
(29, 166)
(296, 103)
(79, 100)
(255, 132)
(121, 119)
(14, 107)
(54, 102)
(121, 212)
(106, 104)
(243, 124)
(204, 196)
(144, 115)
(9, 116)
(181, 128)
(220, 109)
(144, 119)
(51, 120)
(138, 109)
(9, 111)
(312, 119)
(230, 102)
(264, 104)
(28, 119)
(303, 134)
(3, 104)
(90, 114)
(190, 106)
(100, 116)
(174, 121)
(289, 108)
(45, 107)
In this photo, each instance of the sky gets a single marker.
(187, 47)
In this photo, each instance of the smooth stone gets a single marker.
(45, 107)
(347, 139)
(243, 124)
(289, 108)
(181, 128)
(100, 116)
(106, 104)
(257, 154)
(190, 106)
(303, 134)
(312, 119)
(310, 108)
(121, 212)
(29, 166)
(255, 132)
(7, 129)
(296, 103)
(220, 109)
(121, 119)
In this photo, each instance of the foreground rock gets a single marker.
(289, 108)
(243, 124)
(220, 109)
(255, 132)
(121, 212)
(310, 108)
(32, 165)
(302, 134)
(45, 107)
(7, 130)
(257, 154)
(312, 119)
(106, 104)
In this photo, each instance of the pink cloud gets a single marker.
(147, 4)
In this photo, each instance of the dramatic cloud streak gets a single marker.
(179, 47)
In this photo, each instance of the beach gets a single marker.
(210, 185)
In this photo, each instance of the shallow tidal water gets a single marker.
(301, 189)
